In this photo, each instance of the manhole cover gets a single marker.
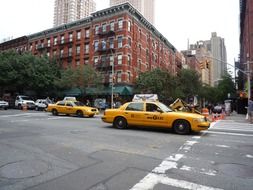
(236, 170)
(24, 169)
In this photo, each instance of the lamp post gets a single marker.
(112, 84)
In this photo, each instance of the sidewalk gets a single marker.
(241, 118)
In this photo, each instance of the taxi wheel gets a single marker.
(54, 112)
(79, 113)
(120, 123)
(181, 127)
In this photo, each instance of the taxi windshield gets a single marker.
(164, 108)
(78, 103)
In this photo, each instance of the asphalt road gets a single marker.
(39, 151)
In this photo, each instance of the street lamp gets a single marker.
(112, 84)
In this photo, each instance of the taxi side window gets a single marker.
(69, 104)
(61, 104)
(151, 107)
(135, 107)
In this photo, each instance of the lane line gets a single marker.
(227, 133)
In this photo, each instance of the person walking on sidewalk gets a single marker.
(250, 110)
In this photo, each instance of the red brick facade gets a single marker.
(118, 34)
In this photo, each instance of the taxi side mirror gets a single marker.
(159, 110)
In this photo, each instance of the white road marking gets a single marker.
(227, 133)
(158, 174)
(151, 180)
(249, 156)
(222, 146)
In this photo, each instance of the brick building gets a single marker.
(118, 36)
(246, 40)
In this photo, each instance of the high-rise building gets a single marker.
(146, 7)
(66, 11)
(216, 45)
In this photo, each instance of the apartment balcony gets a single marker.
(66, 56)
(105, 50)
(103, 65)
(107, 32)
(65, 41)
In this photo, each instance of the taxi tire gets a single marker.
(181, 127)
(54, 112)
(120, 123)
(79, 113)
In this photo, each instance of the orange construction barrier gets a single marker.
(24, 107)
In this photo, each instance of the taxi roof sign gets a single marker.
(143, 97)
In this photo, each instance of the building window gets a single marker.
(48, 42)
(61, 52)
(112, 26)
(77, 63)
(129, 42)
(96, 29)
(111, 43)
(129, 59)
(103, 59)
(129, 26)
(103, 45)
(96, 45)
(128, 76)
(87, 47)
(120, 23)
(86, 61)
(104, 27)
(87, 33)
(140, 48)
(70, 51)
(119, 59)
(48, 54)
(77, 50)
(70, 37)
(62, 39)
(54, 52)
(140, 33)
(78, 35)
(139, 65)
(120, 41)
(95, 60)
(119, 76)
(111, 60)
(55, 40)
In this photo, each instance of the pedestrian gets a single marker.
(88, 103)
(250, 110)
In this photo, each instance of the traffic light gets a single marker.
(202, 65)
(207, 64)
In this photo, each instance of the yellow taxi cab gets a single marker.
(150, 112)
(72, 108)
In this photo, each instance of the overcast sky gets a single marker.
(177, 20)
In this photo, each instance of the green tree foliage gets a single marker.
(20, 72)
(225, 86)
(188, 83)
(156, 81)
(81, 77)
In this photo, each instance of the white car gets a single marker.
(41, 104)
(4, 104)
(22, 101)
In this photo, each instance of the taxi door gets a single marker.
(153, 116)
(68, 108)
(134, 113)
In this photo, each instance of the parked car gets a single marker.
(72, 108)
(4, 105)
(154, 114)
(41, 104)
(22, 101)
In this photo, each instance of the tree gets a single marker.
(188, 83)
(81, 78)
(156, 82)
(226, 86)
(21, 72)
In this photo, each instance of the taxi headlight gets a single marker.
(199, 120)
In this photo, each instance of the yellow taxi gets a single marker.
(72, 108)
(154, 114)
